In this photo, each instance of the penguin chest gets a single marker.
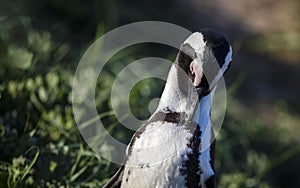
(157, 156)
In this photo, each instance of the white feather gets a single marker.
(206, 135)
(196, 41)
(202, 117)
(172, 98)
(159, 150)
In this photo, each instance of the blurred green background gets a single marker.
(41, 43)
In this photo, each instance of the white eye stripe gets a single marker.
(222, 69)
(228, 58)
(196, 41)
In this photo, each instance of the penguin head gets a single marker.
(204, 57)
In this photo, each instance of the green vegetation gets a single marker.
(41, 43)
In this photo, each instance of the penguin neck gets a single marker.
(173, 99)
(202, 117)
(203, 110)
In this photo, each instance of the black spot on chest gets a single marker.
(190, 167)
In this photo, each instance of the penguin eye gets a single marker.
(192, 72)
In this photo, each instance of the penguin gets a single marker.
(175, 147)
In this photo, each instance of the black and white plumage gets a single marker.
(175, 148)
